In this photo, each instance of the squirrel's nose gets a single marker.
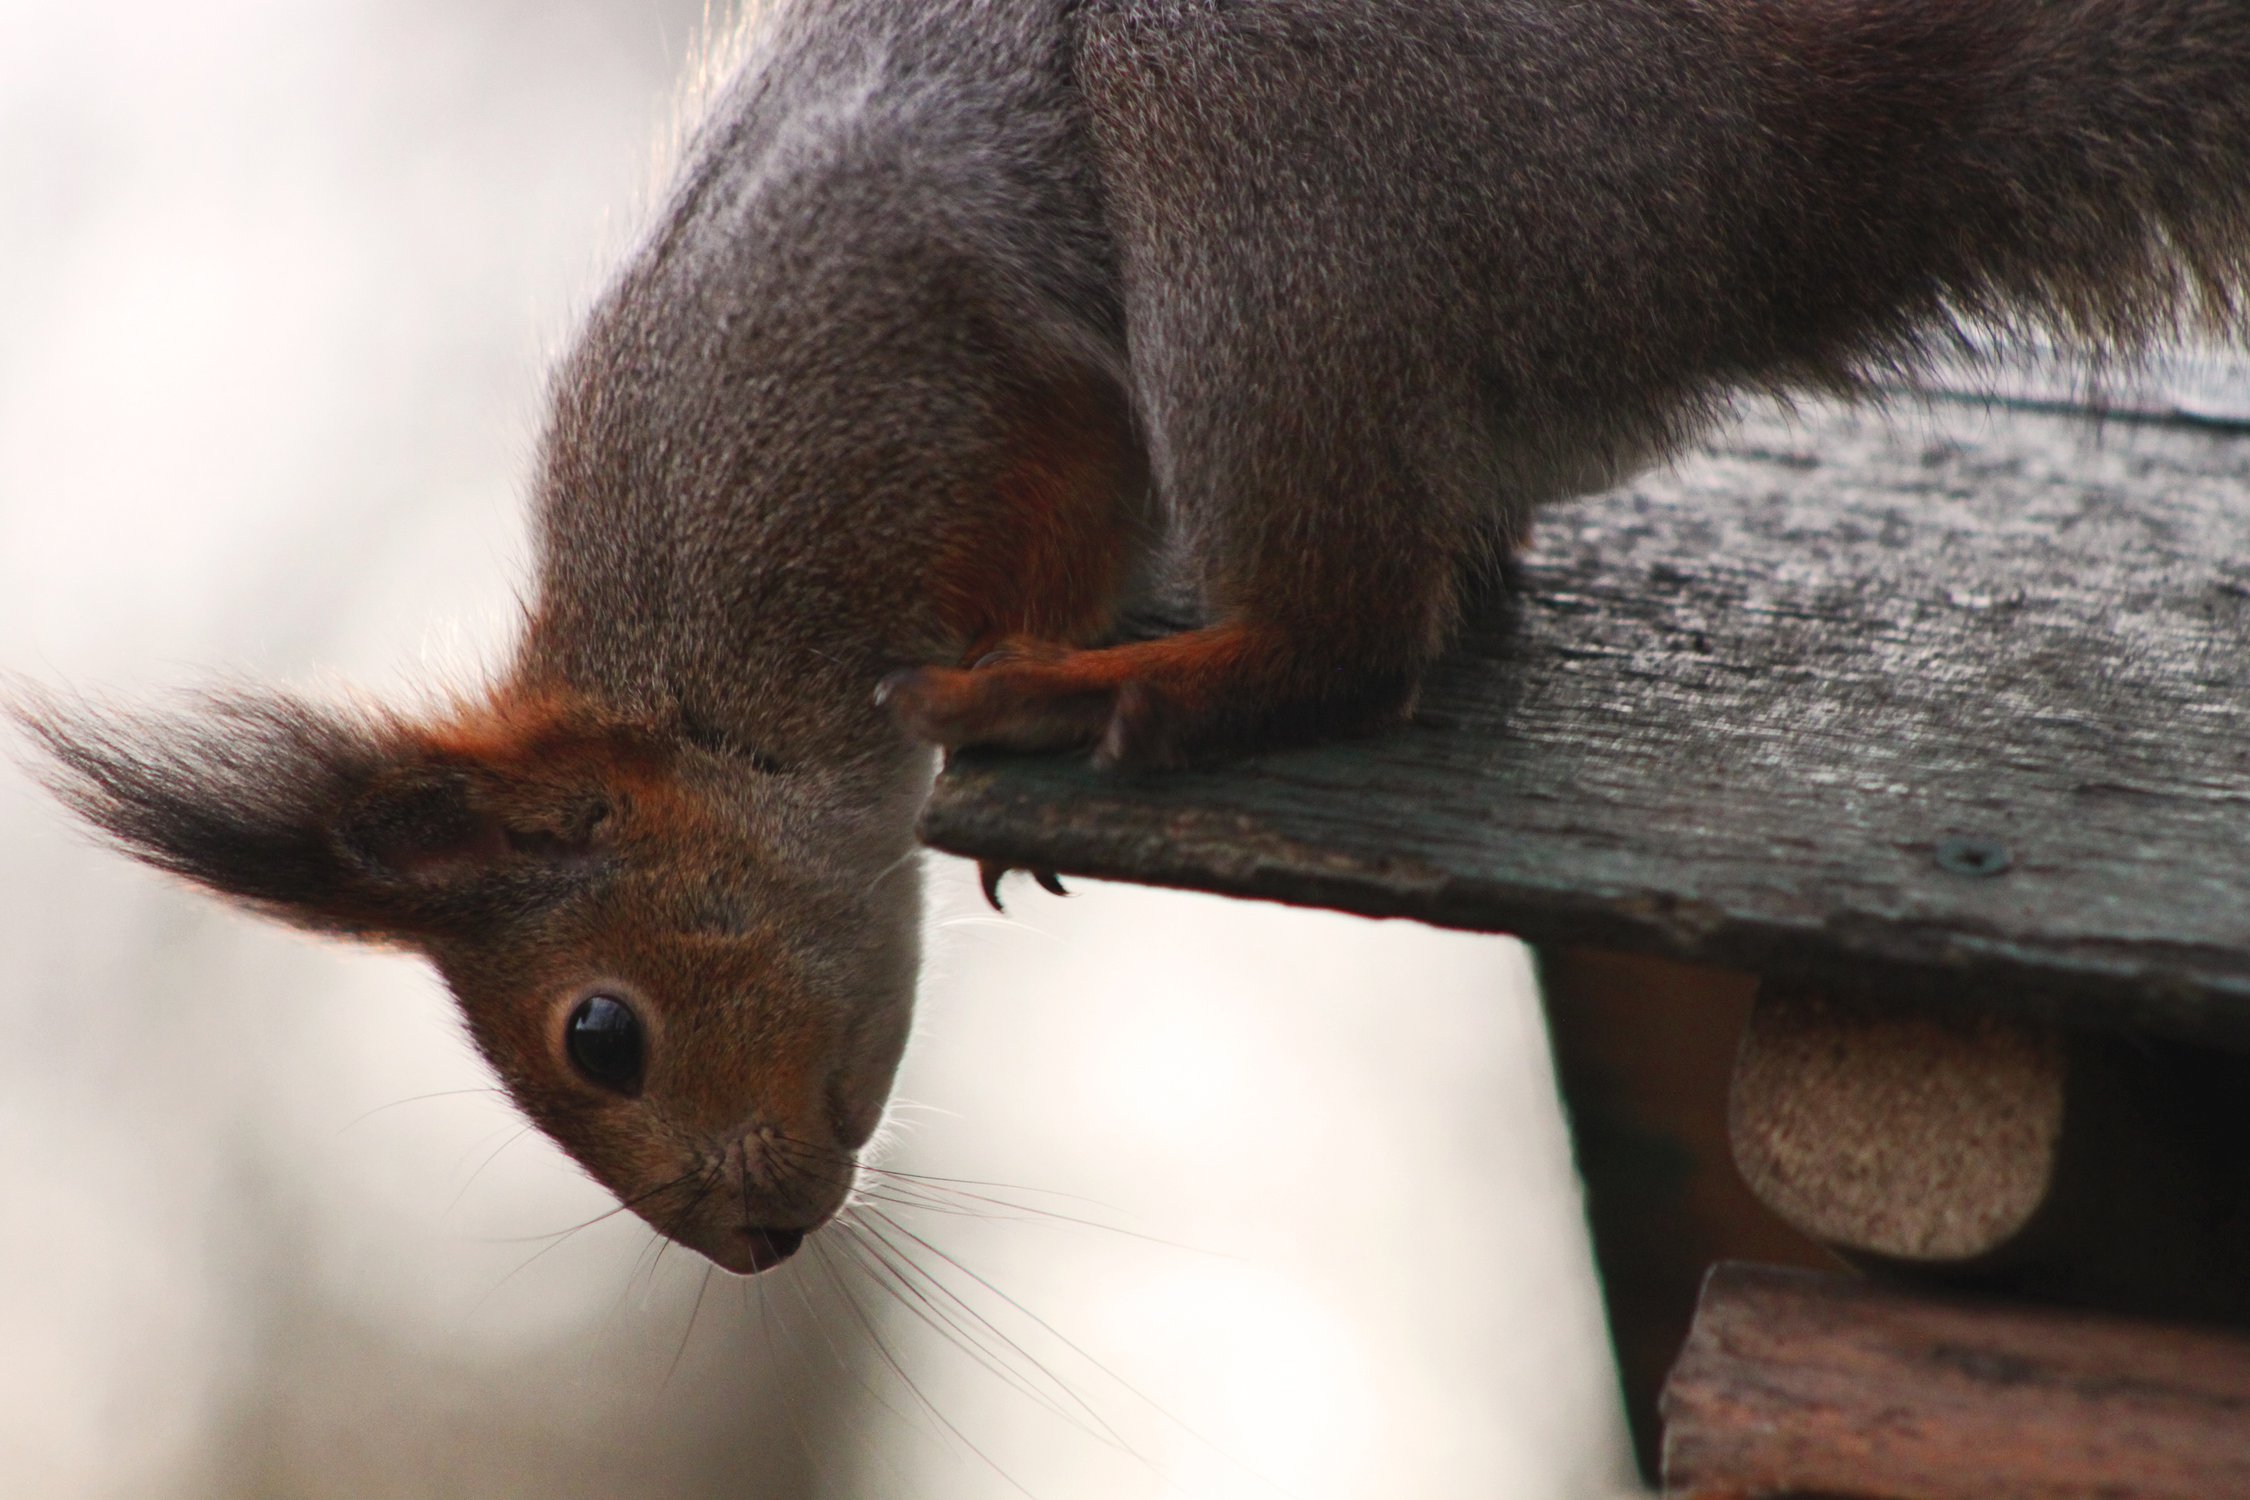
(770, 1247)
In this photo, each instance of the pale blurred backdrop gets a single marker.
(1287, 1208)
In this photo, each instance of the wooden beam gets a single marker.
(1643, 1050)
(1796, 1383)
(1957, 698)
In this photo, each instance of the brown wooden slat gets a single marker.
(1776, 712)
(1796, 1383)
(1644, 1049)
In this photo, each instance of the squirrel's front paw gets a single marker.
(1018, 696)
(1175, 701)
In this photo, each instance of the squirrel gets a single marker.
(967, 324)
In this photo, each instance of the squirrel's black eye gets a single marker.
(606, 1044)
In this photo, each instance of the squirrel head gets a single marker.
(681, 968)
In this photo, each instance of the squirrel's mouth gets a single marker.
(749, 1251)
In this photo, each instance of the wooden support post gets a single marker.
(1799, 1384)
(1980, 1149)
(1643, 1048)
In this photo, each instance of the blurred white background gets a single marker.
(277, 281)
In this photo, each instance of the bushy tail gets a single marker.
(2081, 167)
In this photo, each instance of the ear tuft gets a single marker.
(419, 822)
(347, 822)
(238, 794)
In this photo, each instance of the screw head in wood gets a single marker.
(1975, 857)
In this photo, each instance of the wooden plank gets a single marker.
(1795, 1383)
(2199, 387)
(1644, 1051)
(1951, 700)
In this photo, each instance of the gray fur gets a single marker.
(967, 319)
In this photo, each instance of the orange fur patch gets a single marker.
(1046, 554)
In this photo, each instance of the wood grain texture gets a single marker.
(1797, 1383)
(1952, 700)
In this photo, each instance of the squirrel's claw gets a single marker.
(989, 872)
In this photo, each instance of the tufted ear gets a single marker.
(343, 822)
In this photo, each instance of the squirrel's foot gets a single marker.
(1159, 703)
(1021, 695)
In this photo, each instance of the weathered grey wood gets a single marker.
(1799, 1384)
(2207, 387)
(1954, 700)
